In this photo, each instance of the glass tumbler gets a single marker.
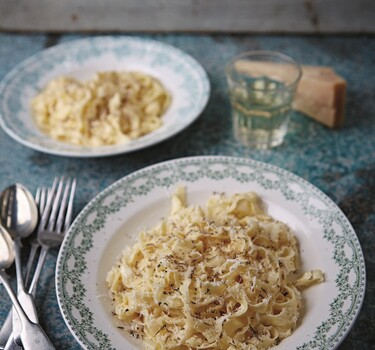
(261, 87)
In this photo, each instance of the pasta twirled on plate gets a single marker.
(217, 277)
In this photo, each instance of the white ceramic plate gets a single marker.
(115, 216)
(182, 75)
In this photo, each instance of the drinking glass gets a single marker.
(261, 88)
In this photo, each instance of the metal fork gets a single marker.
(54, 223)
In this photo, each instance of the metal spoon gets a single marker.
(6, 331)
(32, 335)
(19, 215)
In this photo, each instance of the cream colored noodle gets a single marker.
(112, 108)
(218, 277)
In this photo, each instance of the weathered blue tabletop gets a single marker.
(339, 162)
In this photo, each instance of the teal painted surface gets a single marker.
(341, 163)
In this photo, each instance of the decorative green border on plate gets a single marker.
(79, 240)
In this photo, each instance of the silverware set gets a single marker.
(49, 215)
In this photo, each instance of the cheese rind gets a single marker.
(324, 86)
(321, 113)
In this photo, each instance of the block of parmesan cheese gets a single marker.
(324, 114)
(321, 92)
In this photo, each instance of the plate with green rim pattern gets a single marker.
(138, 201)
(181, 74)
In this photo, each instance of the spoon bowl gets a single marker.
(7, 253)
(18, 211)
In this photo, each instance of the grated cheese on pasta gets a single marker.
(217, 277)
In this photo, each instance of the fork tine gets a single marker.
(55, 206)
(48, 205)
(63, 205)
(40, 198)
(69, 211)
(43, 199)
(37, 196)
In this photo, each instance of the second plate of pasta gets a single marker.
(102, 96)
(214, 250)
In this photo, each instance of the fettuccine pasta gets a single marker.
(218, 277)
(112, 108)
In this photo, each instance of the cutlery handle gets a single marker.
(23, 298)
(33, 250)
(27, 302)
(12, 345)
(18, 263)
(6, 330)
(38, 270)
(32, 335)
(28, 305)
